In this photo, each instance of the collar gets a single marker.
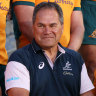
(37, 48)
(61, 48)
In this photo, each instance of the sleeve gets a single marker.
(77, 5)
(86, 84)
(17, 75)
(23, 2)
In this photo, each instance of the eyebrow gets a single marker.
(54, 24)
(50, 23)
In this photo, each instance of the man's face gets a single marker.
(47, 28)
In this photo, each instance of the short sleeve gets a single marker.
(17, 75)
(77, 5)
(86, 84)
(23, 2)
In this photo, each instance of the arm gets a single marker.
(89, 93)
(17, 92)
(17, 80)
(77, 30)
(24, 17)
(86, 84)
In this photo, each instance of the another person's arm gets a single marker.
(77, 30)
(24, 17)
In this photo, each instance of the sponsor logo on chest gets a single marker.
(41, 65)
(63, 2)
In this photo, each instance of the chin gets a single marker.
(46, 46)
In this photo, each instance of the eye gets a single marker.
(53, 25)
(40, 25)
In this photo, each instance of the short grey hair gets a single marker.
(48, 5)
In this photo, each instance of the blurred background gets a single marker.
(10, 39)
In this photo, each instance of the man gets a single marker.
(4, 6)
(73, 27)
(88, 48)
(44, 67)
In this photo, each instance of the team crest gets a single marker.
(67, 66)
(93, 35)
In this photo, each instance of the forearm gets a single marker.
(76, 38)
(77, 30)
(26, 30)
(24, 17)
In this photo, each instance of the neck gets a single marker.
(52, 53)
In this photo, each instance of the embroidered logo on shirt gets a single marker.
(41, 65)
(93, 35)
(67, 73)
(67, 66)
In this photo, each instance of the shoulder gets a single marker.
(71, 52)
(21, 55)
(74, 55)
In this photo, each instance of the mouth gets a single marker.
(47, 38)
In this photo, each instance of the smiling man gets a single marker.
(47, 28)
(73, 27)
(44, 67)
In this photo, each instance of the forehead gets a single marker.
(47, 15)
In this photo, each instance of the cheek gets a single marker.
(57, 29)
(58, 33)
(38, 35)
(37, 32)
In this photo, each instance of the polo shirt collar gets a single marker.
(60, 48)
(37, 48)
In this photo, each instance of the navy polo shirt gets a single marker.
(63, 80)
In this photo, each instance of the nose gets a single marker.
(47, 29)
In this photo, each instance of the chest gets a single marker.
(59, 77)
(64, 4)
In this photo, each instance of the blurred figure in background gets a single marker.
(22, 29)
(73, 27)
(4, 7)
(88, 48)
